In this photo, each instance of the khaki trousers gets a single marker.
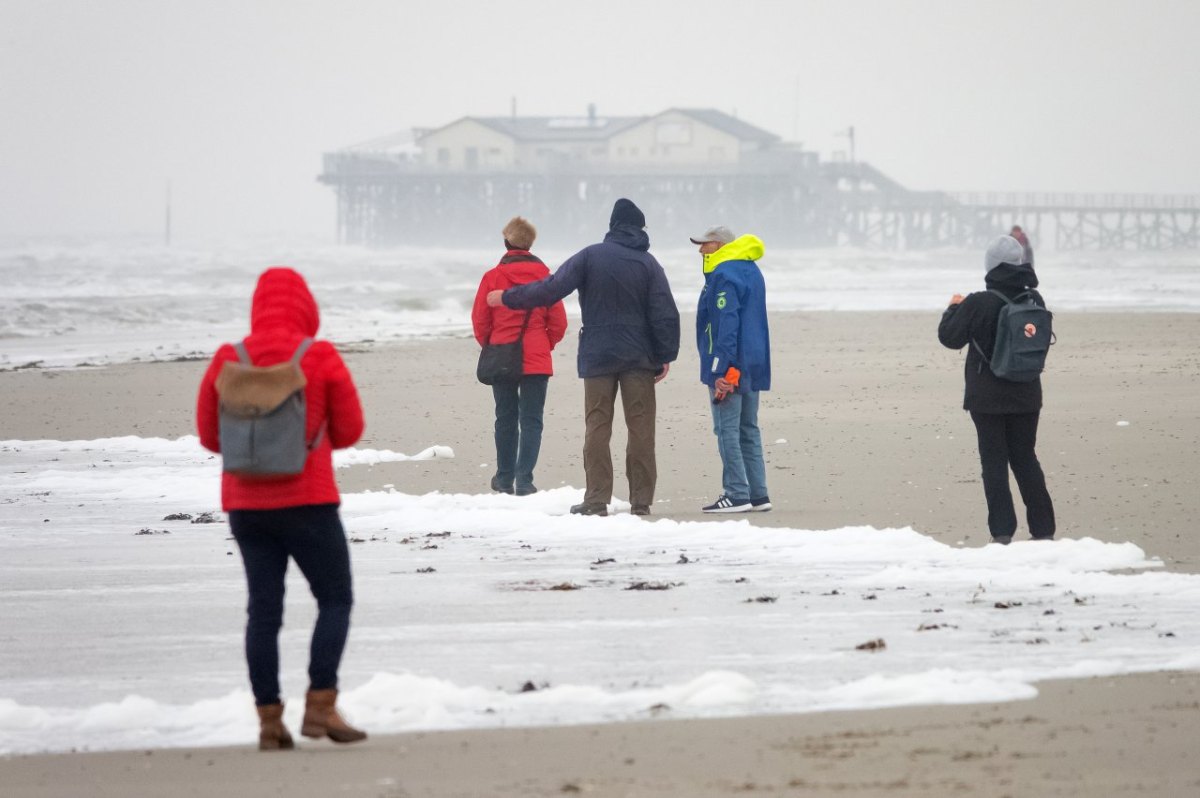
(637, 400)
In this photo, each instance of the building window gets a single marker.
(443, 156)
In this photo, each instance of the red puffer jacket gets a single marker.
(283, 314)
(502, 325)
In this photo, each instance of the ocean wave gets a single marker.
(120, 300)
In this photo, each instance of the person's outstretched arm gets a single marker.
(569, 277)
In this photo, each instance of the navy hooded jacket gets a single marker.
(629, 316)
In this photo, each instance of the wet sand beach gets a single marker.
(863, 427)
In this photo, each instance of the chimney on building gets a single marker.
(591, 114)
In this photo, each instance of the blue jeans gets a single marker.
(311, 535)
(735, 422)
(519, 428)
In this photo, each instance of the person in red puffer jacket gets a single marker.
(295, 517)
(519, 405)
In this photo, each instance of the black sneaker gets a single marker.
(589, 509)
(1003, 540)
(525, 490)
(500, 487)
(760, 505)
(724, 504)
(640, 509)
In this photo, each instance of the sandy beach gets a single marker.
(864, 427)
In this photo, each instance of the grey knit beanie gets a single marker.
(1004, 249)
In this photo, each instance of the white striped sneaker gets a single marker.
(724, 504)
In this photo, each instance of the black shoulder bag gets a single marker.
(503, 363)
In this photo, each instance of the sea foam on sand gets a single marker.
(122, 629)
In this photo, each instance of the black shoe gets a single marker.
(760, 505)
(724, 504)
(501, 487)
(1003, 540)
(525, 490)
(589, 509)
(640, 509)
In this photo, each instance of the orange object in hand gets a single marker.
(732, 376)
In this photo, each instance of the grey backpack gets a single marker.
(262, 416)
(1023, 339)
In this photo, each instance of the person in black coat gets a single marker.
(1005, 413)
(629, 337)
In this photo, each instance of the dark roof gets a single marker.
(735, 127)
(583, 128)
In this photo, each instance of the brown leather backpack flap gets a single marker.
(250, 391)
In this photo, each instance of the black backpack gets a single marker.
(1023, 339)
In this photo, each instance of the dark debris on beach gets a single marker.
(653, 585)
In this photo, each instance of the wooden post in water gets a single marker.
(167, 221)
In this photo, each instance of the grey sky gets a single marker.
(236, 101)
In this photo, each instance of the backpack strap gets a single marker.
(975, 343)
(243, 355)
(986, 359)
(320, 436)
(298, 355)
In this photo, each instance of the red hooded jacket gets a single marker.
(282, 315)
(502, 325)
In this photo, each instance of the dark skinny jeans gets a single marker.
(312, 535)
(1008, 439)
(519, 407)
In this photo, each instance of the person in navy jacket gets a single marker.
(629, 337)
(735, 363)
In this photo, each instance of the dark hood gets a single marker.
(626, 212)
(628, 235)
(282, 301)
(1013, 277)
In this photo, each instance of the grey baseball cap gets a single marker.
(720, 234)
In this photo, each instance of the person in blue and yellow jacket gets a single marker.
(735, 363)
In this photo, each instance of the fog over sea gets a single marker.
(71, 303)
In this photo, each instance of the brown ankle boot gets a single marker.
(272, 734)
(321, 719)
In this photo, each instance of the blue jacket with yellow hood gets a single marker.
(731, 320)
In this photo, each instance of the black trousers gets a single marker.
(311, 535)
(1007, 440)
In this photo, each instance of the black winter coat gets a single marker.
(629, 316)
(975, 318)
